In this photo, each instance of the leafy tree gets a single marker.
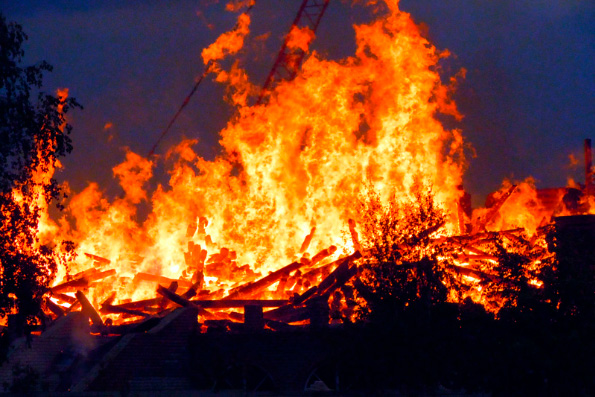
(405, 270)
(523, 274)
(33, 135)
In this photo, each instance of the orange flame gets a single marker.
(297, 162)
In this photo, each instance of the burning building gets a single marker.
(338, 168)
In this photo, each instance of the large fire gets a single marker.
(285, 186)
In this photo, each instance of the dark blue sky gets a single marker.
(528, 99)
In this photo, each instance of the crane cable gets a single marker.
(166, 130)
(187, 100)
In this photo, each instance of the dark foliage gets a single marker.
(403, 271)
(33, 135)
(539, 343)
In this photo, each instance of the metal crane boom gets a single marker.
(289, 59)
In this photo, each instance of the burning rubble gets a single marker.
(341, 176)
(264, 224)
(265, 220)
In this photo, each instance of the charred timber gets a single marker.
(325, 253)
(70, 285)
(161, 279)
(343, 266)
(288, 314)
(467, 271)
(307, 241)
(64, 298)
(98, 258)
(467, 258)
(236, 303)
(54, 308)
(172, 296)
(252, 288)
(173, 287)
(494, 210)
(111, 309)
(84, 273)
(82, 282)
(354, 235)
(139, 304)
(88, 309)
(339, 280)
(325, 269)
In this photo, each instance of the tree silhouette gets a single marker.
(33, 135)
(403, 272)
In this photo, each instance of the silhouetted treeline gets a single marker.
(540, 342)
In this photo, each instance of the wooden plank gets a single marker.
(325, 253)
(100, 275)
(468, 258)
(252, 288)
(139, 304)
(98, 258)
(343, 265)
(326, 269)
(183, 301)
(494, 210)
(288, 313)
(111, 309)
(237, 303)
(54, 308)
(88, 308)
(307, 241)
(72, 284)
(84, 273)
(64, 298)
(173, 287)
(354, 236)
(161, 279)
(339, 280)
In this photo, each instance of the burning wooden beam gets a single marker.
(142, 304)
(173, 287)
(471, 272)
(339, 280)
(84, 273)
(98, 258)
(494, 210)
(82, 282)
(54, 308)
(88, 308)
(160, 279)
(237, 303)
(325, 253)
(468, 258)
(72, 284)
(288, 314)
(191, 292)
(252, 288)
(112, 309)
(298, 308)
(101, 275)
(183, 301)
(307, 241)
(172, 296)
(354, 235)
(64, 298)
(326, 269)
